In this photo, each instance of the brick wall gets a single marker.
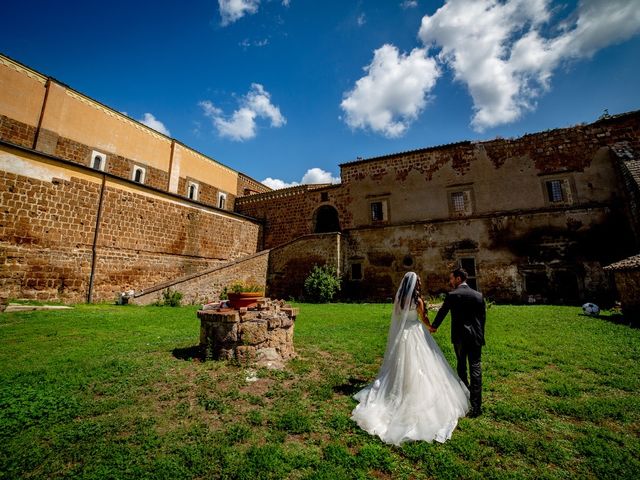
(47, 229)
(16, 132)
(291, 263)
(206, 193)
(629, 170)
(562, 149)
(248, 183)
(207, 285)
(289, 213)
(628, 286)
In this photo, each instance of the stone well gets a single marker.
(261, 335)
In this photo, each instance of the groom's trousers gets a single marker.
(470, 354)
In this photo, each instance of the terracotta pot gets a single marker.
(245, 299)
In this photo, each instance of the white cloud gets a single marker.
(312, 176)
(246, 43)
(498, 49)
(277, 184)
(152, 122)
(233, 10)
(409, 4)
(317, 175)
(242, 123)
(393, 93)
(362, 19)
(286, 3)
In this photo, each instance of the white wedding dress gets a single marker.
(416, 394)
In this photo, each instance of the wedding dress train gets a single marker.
(416, 394)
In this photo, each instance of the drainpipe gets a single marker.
(44, 104)
(173, 145)
(96, 232)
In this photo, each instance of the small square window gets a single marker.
(555, 191)
(324, 196)
(98, 161)
(222, 200)
(192, 190)
(138, 174)
(460, 202)
(558, 191)
(379, 211)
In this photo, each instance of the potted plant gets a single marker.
(243, 294)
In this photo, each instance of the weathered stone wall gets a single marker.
(207, 285)
(555, 249)
(628, 162)
(291, 263)
(562, 149)
(628, 286)
(263, 334)
(47, 229)
(525, 246)
(290, 213)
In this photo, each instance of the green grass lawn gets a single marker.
(111, 392)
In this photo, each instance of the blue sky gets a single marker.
(286, 90)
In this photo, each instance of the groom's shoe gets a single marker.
(474, 413)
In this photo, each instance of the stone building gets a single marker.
(532, 219)
(94, 203)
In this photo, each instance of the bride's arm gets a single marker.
(422, 311)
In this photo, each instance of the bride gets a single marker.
(416, 394)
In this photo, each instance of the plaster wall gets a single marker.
(21, 92)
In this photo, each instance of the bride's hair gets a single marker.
(404, 290)
(417, 291)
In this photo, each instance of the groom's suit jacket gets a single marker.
(468, 315)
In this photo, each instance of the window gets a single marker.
(138, 174)
(379, 211)
(98, 160)
(192, 190)
(356, 271)
(558, 191)
(460, 203)
(554, 190)
(222, 200)
(469, 265)
(324, 196)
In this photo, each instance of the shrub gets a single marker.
(322, 284)
(170, 298)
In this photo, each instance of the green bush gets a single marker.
(170, 298)
(322, 284)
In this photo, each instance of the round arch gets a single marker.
(325, 220)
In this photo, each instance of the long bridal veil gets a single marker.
(416, 395)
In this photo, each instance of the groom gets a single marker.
(467, 333)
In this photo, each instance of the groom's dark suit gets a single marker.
(468, 317)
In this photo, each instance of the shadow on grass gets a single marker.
(352, 386)
(616, 318)
(189, 354)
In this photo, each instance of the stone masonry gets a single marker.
(263, 334)
(48, 239)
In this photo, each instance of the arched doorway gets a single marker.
(326, 220)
